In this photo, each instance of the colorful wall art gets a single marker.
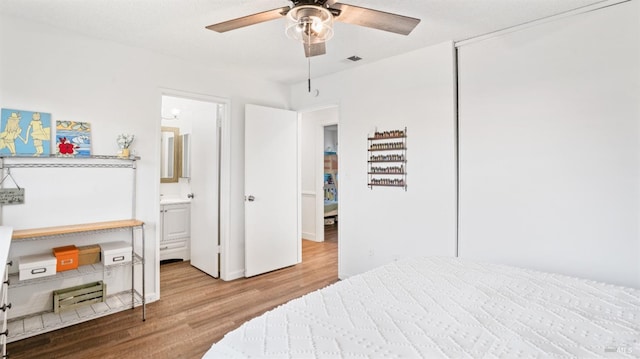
(25, 133)
(73, 139)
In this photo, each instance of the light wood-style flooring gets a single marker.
(194, 311)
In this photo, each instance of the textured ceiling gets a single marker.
(177, 28)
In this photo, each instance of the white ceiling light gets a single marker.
(309, 24)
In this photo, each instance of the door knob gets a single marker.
(190, 195)
(251, 198)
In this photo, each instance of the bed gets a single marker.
(330, 208)
(330, 196)
(446, 307)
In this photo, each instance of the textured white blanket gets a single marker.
(446, 307)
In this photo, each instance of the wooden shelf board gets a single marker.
(389, 161)
(75, 228)
(386, 185)
(384, 138)
(387, 149)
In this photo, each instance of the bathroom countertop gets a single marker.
(174, 200)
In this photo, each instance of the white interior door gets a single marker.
(205, 154)
(272, 194)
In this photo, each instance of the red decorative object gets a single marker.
(66, 148)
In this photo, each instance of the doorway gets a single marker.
(319, 157)
(194, 169)
(330, 182)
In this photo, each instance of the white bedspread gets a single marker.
(446, 307)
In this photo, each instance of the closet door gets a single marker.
(549, 150)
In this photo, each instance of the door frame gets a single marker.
(319, 165)
(224, 175)
(320, 179)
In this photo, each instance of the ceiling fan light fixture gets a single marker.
(309, 24)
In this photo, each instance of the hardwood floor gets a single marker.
(194, 311)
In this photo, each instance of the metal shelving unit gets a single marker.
(5, 306)
(68, 162)
(41, 322)
(387, 159)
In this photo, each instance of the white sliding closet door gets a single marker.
(549, 146)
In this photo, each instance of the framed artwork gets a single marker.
(25, 133)
(73, 139)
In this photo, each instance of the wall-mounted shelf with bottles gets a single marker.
(387, 163)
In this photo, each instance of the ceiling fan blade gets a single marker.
(316, 49)
(376, 19)
(249, 20)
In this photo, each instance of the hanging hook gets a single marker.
(5, 176)
(10, 176)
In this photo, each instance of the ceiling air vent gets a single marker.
(354, 58)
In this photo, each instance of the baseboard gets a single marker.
(234, 275)
(343, 276)
(309, 235)
(151, 297)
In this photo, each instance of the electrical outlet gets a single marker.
(371, 252)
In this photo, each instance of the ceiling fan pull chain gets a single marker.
(309, 77)
(309, 64)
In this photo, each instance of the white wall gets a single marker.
(117, 89)
(307, 178)
(550, 149)
(415, 90)
(312, 157)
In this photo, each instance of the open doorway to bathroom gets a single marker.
(190, 182)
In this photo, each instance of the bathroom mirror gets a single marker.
(185, 140)
(169, 154)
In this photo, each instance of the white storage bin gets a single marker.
(36, 266)
(115, 252)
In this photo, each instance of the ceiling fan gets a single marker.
(311, 21)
